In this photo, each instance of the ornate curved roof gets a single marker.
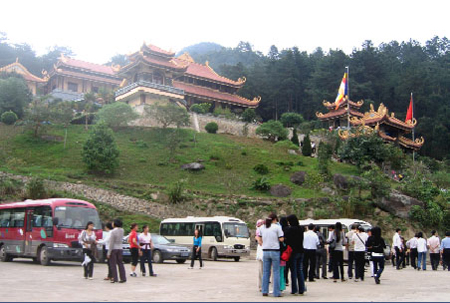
(23, 71)
(332, 106)
(215, 95)
(342, 112)
(408, 143)
(382, 116)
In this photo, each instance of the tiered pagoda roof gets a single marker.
(184, 67)
(341, 111)
(381, 116)
(85, 70)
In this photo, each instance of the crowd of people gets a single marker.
(414, 251)
(141, 246)
(284, 245)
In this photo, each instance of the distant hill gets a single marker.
(201, 48)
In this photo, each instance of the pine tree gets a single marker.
(294, 138)
(306, 148)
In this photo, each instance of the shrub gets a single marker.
(226, 112)
(294, 138)
(212, 127)
(261, 184)
(9, 117)
(261, 169)
(176, 192)
(249, 115)
(272, 130)
(170, 114)
(100, 152)
(35, 189)
(291, 119)
(244, 152)
(323, 157)
(306, 147)
(201, 108)
(285, 144)
(116, 114)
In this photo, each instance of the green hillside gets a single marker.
(229, 160)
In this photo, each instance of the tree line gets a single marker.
(291, 80)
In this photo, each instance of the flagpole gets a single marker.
(412, 118)
(348, 98)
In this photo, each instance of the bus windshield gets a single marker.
(77, 217)
(239, 230)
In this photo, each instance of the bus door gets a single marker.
(28, 232)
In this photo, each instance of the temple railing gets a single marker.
(141, 83)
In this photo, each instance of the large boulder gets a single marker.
(280, 190)
(195, 166)
(298, 177)
(340, 181)
(398, 204)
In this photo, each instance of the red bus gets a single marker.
(45, 230)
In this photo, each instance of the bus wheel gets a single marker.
(157, 257)
(43, 256)
(214, 253)
(4, 257)
(236, 259)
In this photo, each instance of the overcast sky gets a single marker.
(97, 30)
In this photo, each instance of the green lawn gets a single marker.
(230, 170)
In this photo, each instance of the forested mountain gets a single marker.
(291, 80)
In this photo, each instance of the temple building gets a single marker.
(155, 75)
(70, 79)
(386, 125)
(35, 84)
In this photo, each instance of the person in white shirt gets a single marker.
(413, 250)
(259, 254)
(359, 240)
(398, 247)
(351, 250)
(310, 244)
(434, 245)
(105, 242)
(270, 238)
(146, 243)
(422, 251)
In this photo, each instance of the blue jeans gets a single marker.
(422, 260)
(297, 278)
(146, 258)
(271, 259)
(378, 266)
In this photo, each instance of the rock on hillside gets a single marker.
(398, 204)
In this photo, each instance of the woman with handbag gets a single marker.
(375, 245)
(88, 240)
(270, 236)
(337, 241)
(294, 238)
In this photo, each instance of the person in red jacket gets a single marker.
(134, 248)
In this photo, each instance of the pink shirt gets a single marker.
(434, 244)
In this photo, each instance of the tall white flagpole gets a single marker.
(348, 97)
(412, 119)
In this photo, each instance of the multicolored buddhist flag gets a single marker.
(342, 92)
(409, 113)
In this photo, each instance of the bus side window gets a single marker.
(5, 216)
(17, 218)
(37, 217)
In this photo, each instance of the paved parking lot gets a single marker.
(21, 280)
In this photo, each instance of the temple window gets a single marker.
(72, 87)
(157, 78)
(94, 89)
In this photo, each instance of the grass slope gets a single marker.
(229, 160)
